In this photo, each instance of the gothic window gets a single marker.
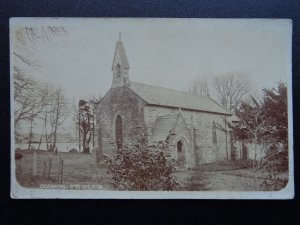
(119, 131)
(118, 69)
(180, 155)
(214, 133)
(179, 147)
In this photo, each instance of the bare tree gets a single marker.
(231, 89)
(27, 92)
(199, 87)
(75, 120)
(29, 97)
(55, 113)
(86, 123)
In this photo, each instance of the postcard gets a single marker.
(141, 108)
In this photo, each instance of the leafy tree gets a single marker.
(143, 168)
(251, 128)
(265, 124)
(275, 105)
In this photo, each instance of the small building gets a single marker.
(194, 125)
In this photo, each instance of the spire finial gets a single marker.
(119, 36)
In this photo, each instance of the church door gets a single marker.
(119, 132)
(180, 155)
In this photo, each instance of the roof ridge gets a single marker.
(167, 116)
(223, 107)
(157, 95)
(171, 89)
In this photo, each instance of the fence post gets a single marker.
(49, 166)
(60, 171)
(34, 164)
(44, 168)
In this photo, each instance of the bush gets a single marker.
(73, 150)
(274, 184)
(276, 164)
(143, 168)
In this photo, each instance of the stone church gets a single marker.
(194, 125)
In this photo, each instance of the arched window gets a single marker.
(118, 69)
(119, 131)
(214, 133)
(179, 147)
(180, 155)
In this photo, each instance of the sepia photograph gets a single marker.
(151, 108)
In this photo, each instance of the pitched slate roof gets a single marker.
(162, 127)
(173, 98)
(121, 50)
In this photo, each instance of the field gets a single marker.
(81, 169)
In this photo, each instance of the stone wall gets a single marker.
(195, 128)
(183, 134)
(205, 150)
(119, 101)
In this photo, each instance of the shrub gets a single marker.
(274, 184)
(276, 164)
(143, 168)
(73, 150)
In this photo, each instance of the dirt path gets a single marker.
(214, 181)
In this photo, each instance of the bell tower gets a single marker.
(120, 66)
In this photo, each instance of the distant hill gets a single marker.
(61, 137)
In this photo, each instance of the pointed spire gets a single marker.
(120, 51)
(120, 66)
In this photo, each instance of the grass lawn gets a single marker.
(78, 169)
(81, 169)
(227, 176)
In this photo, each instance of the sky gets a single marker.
(165, 52)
